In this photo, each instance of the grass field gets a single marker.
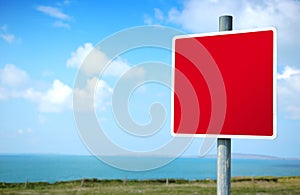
(239, 185)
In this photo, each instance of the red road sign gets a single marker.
(233, 76)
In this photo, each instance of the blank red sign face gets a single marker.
(232, 76)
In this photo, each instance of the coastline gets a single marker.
(266, 185)
(55, 168)
(153, 181)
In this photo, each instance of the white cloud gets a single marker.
(138, 73)
(288, 72)
(20, 131)
(158, 14)
(118, 67)
(156, 19)
(147, 19)
(58, 98)
(3, 93)
(31, 94)
(198, 16)
(192, 19)
(24, 131)
(53, 12)
(88, 59)
(79, 55)
(64, 3)
(202, 16)
(15, 82)
(92, 61)
(284, 15)
(289, 92)
(29, 130)
(61, 24)
(95, 95)
(12, 76)
(103, 93)
(8, 37)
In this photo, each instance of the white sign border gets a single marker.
(274, 30)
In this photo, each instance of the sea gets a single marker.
(53, 168)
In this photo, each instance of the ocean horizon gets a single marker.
(57, 167)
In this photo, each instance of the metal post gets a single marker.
(225, 23)
(224, 166)
(224, 144)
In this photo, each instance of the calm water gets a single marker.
(53, 168)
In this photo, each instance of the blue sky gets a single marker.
(42, 44)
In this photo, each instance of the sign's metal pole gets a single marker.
(224, 166)
(224, 144)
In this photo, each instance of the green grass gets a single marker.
(239, 185)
